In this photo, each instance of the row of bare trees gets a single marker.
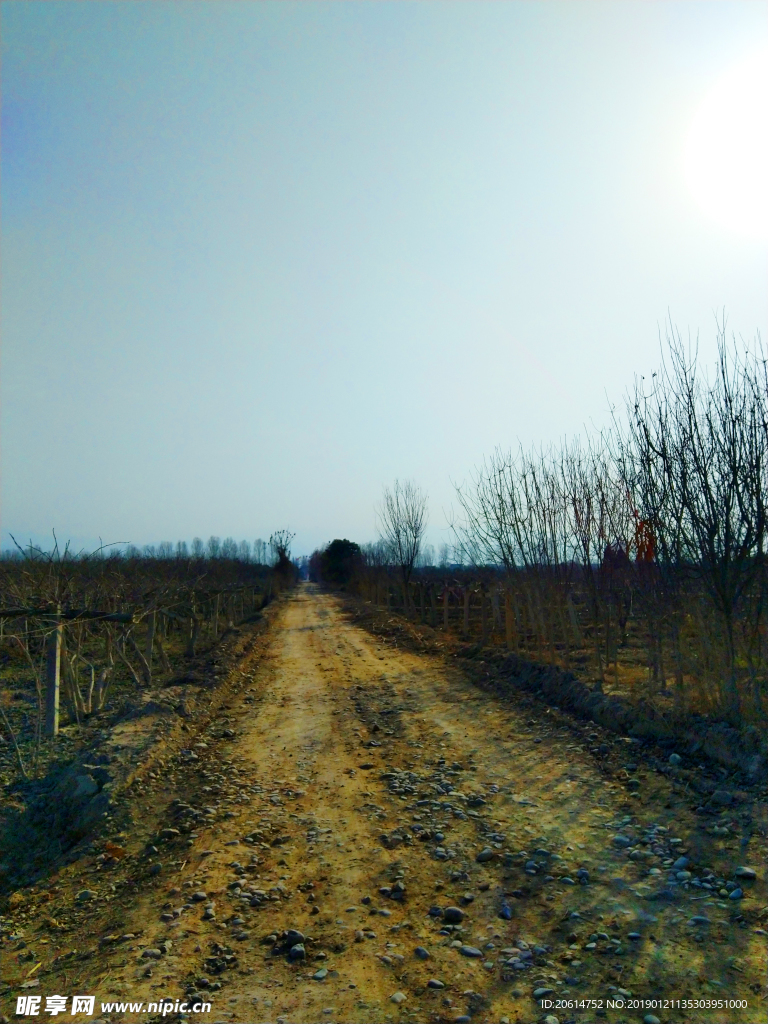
(86, 627)
(259, 553)
(651, 535)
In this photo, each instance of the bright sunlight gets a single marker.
(726, 151)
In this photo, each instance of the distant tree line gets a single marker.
(259, 553)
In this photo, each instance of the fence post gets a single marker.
(53, 678)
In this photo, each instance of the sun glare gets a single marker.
(726, 151)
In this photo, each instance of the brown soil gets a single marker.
(342, 750)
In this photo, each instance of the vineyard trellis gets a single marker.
(74, 626)
(52, 624)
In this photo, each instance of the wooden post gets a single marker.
(53, 679)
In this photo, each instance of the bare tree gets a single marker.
(280, 546)
(699, 455)
(229, 548)
(402, 519)
(492, 512)
(426, 556)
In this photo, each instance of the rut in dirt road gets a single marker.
(379, 840)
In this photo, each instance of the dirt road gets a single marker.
(360, 793)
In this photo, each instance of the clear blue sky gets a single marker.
(259, 259)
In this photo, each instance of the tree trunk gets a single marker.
(160, 649)
(150, 644)
(534, 619)
(123, 657)
(678, 656)
(609, 646)
(509, 621)
(544, 609)
(495, 608)
(102, 684)
(194, 629)
(564, 632)
(732, 693)
(146, 670)
(578, 637)
(596, 639)
(71, 688)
